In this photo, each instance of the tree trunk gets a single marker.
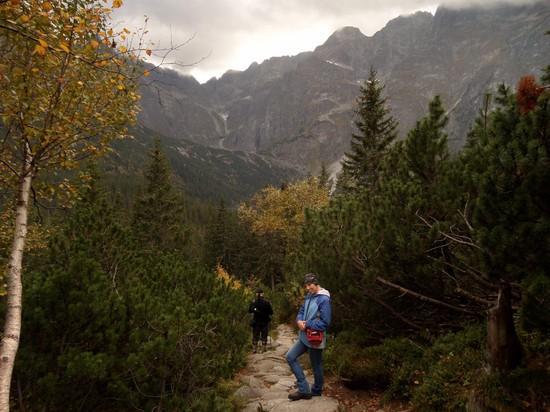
(503, 346)
(12, 324)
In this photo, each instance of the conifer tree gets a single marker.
(426, 144)
(376, 130)
(217, 238)
(510, 163)
(111, 325)
(158, 215)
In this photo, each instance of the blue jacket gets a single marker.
(318, 316)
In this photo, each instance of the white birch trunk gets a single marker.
(12, 325)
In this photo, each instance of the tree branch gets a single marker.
(36, 205)
(463, 240)
(15, 172)
(425, 298)
(391, 310)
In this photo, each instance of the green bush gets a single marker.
(535, 309)
(110, 326)
(445, 376)
(375, 366)
(436, 378)
(524, 389)
(451, 366)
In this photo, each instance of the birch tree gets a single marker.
(67, 88)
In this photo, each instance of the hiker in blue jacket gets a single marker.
(314, 315)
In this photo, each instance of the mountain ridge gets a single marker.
(299, 109)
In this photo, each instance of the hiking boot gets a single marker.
(316, 393)
(296, 396)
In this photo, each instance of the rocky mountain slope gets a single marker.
(299, 109)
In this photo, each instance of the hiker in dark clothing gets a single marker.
(262, 311)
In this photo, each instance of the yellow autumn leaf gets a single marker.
(94, 44)
(63, 46)
(123, 49)
(24, 18)
(40, 50)
(146, 73)
(43, 43)
(117, 4)
(47, 6)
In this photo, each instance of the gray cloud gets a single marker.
(234, 33)
(484, 3)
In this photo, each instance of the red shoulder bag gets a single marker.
(314, 337)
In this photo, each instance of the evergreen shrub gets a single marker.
(451, 366)
(113, 326)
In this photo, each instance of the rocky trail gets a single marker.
(267, 381)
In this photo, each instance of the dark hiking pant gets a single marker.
(259, 332)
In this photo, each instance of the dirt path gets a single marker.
(267, 381)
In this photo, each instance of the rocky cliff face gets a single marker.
(299, 109)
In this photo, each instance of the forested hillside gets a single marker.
(204, 173)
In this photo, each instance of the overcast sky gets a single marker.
(231, 34)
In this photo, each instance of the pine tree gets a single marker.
(77, 321)
(376, 130)
(217, 238)
(426, 144)
(112, 325)
(158, 215)
(510, 163)
(508, 157)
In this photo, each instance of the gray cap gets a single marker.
(311, 278)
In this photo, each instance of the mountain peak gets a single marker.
(300, 108)
(408, 21)
(345, 34)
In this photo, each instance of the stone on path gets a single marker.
(267, 381)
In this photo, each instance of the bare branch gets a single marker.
(425, 298)
(464, 215)
(476, 274)
(36, 205)
(10, 167)
(463, 240)
(473, 297)
(391, 310)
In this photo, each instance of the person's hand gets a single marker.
(301, 324)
